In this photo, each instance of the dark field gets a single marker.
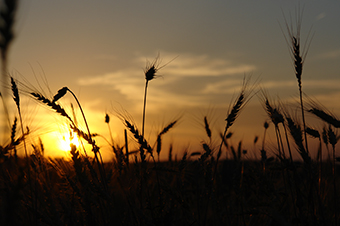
(177, 192)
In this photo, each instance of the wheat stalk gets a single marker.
(276, 117)
(140, 139)
(150, 73)
(327, 117)
(7, 19)
(298, 56)
(296, 133)
(159, 136)
(17, 102)
(332, 138)
(239, 103)
(53, 105)
(7, 14)
(13, 132)
(207, 127)
(315, 134)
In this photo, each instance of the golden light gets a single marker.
(68, 139)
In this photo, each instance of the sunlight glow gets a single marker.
(68, 139)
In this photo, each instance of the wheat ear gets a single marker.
(298, 56)
(17, 102)
(327, 117)
(150, 73)
(159, 136)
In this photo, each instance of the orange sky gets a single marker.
(99, 50)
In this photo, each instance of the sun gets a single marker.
(68, 139)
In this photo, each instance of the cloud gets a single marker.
(330, 54)
(230, 86)
(125, 81)
(321, 16)
(329, 83)
(203, 65)
(330, 101)
(183, 69)
(223, 87)
(278, 84)
(106, 57)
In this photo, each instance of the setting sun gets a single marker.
(68, 139)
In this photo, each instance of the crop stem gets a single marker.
(144, 106)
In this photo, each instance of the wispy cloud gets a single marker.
(330, 54)
(329, 83)
(324, 83)
(320, 16)
(331, 101)
(223, 87)
(186, 68)
(128, 82)
(278, 84)
(203, 65)
(106, 57)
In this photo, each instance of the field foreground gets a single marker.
(177, 192)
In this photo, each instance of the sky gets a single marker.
(99, 50)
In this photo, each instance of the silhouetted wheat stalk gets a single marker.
(296, 132)
(298, 56)
(325, 140)
(263, 151)
(7, 13)
(238, 105)
(140, 139)
(118, 151)
(323, 115)
(53, 105)
(95, 148)
(7, 18)
(17, 102)
(277, 118)
(87, 136)
(207, 127)
(315, 134)
(28, 162)
(159, 136)
(13, 132)
(150, 73)
(333, 140)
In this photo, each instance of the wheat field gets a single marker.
(217, 184)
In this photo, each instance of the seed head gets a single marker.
(60, 94)
(153, 67)
(332, 138)
(107, 118)
(228, 135)
(325, 116)
(313, 132)
(150, 73)
(266, 125)
(15, 92)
